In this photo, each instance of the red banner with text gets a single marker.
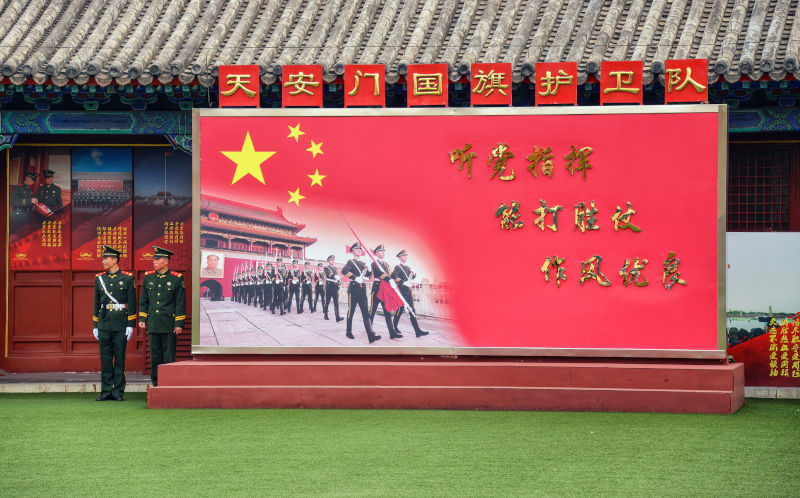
(499, 228)
(101, 205)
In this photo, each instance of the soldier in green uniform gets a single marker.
(114, 318)
(162, 309)
(22, 202)
(50, 194)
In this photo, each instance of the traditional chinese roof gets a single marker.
(122, 41)
(223, 227)
(255, 213)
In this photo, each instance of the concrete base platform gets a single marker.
(66, 382)
(463, 385)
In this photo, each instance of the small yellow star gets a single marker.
(316, 148)
(294, 132)
(316, 178)
(248, 160)
(295, 196)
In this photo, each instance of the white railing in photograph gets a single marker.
(431, 300)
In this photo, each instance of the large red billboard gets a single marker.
(577, 230)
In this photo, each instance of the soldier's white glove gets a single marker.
(128, 333)
(294, 281)
(337, 277)
(359, 280)
(407, 283)
(279, 281)
(95, 334)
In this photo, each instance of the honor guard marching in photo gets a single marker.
(332, 282)
(358, 273)
(266, 287)
(114, 319)
(307, 282)
(403, 276)
(162, 309)
(279, 277)
(319, 286)
(382, 272)
(294, 288)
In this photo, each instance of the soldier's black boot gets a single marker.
(372, 336)
(421, 332)
(349, 335)
(326, 316)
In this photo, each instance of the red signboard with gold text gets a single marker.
(365, 85)
(239, 86)
(302, 85)
(491, 84)
(567, 230)
(102, 204)
(39, 208)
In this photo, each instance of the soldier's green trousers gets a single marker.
(112, 361)
(162, 350)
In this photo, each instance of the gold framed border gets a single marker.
(722, 153)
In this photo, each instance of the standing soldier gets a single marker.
(381, 270)
(22, 201)
(403, 275)
(114, 318)
(319, 286)
(294, 288)
(163, 309)
(332, 282)
(307, 281)
(358, 272)
(49, 194)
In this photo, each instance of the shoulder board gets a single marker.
(100, 274)
(149, 272)
(127, 273)
(175, 273)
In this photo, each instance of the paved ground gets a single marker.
(61, 382)
(227, 323)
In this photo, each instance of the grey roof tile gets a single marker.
(120, 41)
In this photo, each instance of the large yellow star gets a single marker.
(295, 196)
(294, 132)
(248, 160)
(316, 178)
(316, 148)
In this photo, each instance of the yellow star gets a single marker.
(248, 160)
(316, 178)
(316, 148)
(295, 196)
(294, 132)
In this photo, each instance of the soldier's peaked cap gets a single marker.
(319, 264)
(109, 251)
(32, 174)
(379, 248)
(48, 173)
(160, 252)
(357, 245)
(306, 263)
(279, 260)
(331, 257)
(402, 253)
(294, 261)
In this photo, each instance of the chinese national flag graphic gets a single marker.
(575, 187)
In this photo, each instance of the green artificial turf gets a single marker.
(68, 444)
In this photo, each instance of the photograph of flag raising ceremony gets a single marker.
(265, 283)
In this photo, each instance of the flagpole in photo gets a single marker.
(392, 284)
